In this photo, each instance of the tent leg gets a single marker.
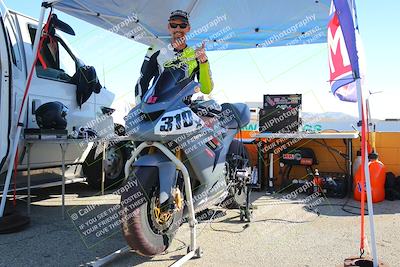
(20, 122)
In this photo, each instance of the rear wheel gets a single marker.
(146, 227)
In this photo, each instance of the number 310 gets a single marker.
(185, 116)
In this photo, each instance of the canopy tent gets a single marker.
(233, 24)
(226, 24)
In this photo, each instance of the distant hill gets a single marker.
(329, 116)
(337, 121)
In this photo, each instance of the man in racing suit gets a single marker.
(177, 55)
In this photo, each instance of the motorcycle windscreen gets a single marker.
(168, 84)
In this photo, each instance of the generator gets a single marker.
(297, 156)
(301, 156)
(328, 184)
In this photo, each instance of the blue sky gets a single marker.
(245, 75)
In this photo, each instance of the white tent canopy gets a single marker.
(224, 24)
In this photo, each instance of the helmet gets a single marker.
(51, 115)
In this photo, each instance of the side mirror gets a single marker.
(107, 110)
(55, 23)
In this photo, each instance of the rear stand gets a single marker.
(246, 211)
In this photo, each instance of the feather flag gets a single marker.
(344, 51)
(346, 77)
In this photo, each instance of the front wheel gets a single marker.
(146, 228)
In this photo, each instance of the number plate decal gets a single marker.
(178, 121)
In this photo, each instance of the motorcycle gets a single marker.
(187, 161)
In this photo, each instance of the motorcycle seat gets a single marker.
(208, 108)
(234, 115)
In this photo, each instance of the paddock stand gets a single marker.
(246, 210)
(193, 251)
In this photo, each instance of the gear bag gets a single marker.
(392, 187)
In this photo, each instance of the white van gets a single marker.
(17, 32)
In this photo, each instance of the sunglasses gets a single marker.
(175, 25)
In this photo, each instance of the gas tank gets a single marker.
(378, 177)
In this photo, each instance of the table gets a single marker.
(63, 142)
(346, 136)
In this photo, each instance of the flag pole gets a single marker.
(362, 110)
(21, 119)
(362, 115)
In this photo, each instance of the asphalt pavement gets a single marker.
(298, 231)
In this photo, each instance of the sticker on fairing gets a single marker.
(178, 121)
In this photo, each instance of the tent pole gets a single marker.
(361, 109)
(21, 119)
(192, 7)
(51, 2)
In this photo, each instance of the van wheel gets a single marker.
(116, 157)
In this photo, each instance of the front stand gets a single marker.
(193, 249)
(107, 259)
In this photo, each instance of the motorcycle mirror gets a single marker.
(55, 23)
(107, 110)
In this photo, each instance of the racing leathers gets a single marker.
(159, 58)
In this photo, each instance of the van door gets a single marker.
(53, 83)
(4, 93)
